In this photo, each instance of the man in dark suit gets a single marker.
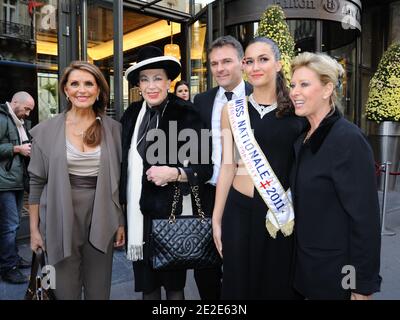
(225, 55)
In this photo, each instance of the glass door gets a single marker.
(44, 19)
(343, 49)
(198, 64)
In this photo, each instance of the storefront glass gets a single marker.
(198, 56)
(28, 53)
(45, 22)
(181, 5)
(304, 34)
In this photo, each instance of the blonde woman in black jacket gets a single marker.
(335, 193)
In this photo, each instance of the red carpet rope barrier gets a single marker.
(379, 169)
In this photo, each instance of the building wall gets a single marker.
(394, 32)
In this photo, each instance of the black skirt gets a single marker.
(255, 266)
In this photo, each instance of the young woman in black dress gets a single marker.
(254, 237)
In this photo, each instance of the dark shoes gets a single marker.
(23, 264)
(14, 276)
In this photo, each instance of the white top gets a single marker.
(80, 163)
(219, 102)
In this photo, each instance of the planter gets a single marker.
(385, 141)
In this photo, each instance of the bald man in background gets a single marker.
(15, 149)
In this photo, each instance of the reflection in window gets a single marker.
(198, 57)
(343, 49)
(304, 34)
(181, 5)
(44, 15)
(47, 95)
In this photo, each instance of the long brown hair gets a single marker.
(92, 136)
(285, 105)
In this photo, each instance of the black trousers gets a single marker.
(208, 280)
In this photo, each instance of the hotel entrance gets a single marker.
(332, 27)
(110, 33)
(38, 39)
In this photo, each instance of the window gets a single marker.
(10, 10)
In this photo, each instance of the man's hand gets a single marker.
(24, 149)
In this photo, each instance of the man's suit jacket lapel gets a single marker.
(209, 103)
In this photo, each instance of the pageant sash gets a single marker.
(280, 215)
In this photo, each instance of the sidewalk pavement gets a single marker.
(122, 278)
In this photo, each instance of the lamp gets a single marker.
(172, 49)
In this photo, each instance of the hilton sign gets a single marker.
(347, 12)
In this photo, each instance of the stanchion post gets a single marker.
(384, 231)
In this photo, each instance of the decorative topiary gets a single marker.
(273, 25)
(383, 102)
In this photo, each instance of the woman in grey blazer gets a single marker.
(74, 171)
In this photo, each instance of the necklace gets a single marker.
(75, 129)
(262, 110)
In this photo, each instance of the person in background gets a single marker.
(225, 55)
(74, 171)
(335, 192)
(148, 175)
(15, 150)
(253, 214)
(182, 90)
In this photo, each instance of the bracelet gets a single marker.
(178, 178)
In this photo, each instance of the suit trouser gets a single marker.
(208, 280)
(87, 268)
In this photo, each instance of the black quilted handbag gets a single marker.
(183, 242)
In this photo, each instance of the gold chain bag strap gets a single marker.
(183, 242)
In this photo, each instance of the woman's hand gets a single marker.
(357, 296)
(36, 240)
(216, 226)
(161, 175)
(120, 237)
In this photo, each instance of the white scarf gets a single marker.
(23, 137)
(134, 191)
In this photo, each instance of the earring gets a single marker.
(97, 98)
(67, 98)
(140, 93)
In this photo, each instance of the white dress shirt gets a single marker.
(219, 102)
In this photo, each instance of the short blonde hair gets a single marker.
(327, 69)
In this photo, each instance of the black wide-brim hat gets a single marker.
(152, 58)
